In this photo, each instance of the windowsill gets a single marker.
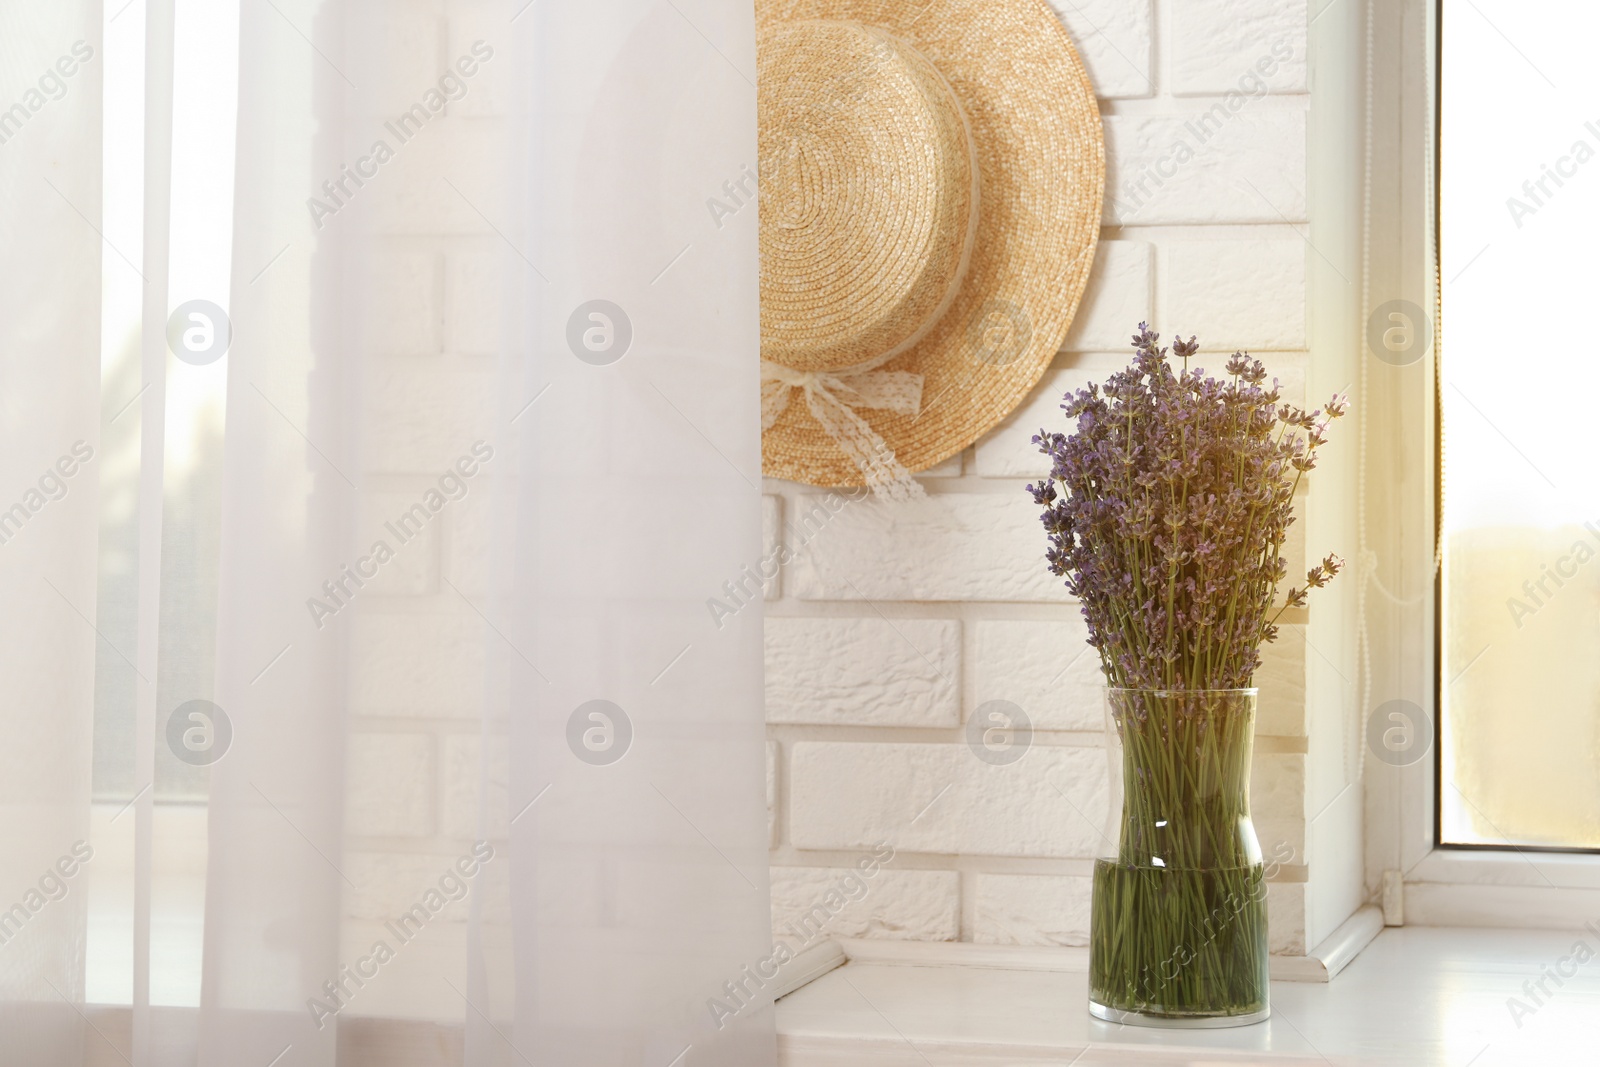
(1556, 870)
(1471, 887)
(1416, 996)
(177, 903)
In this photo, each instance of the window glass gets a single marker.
(1520, 599)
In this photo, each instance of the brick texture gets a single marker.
(421, 665)
(1030, 909)
(1239, 294)
(1209, 163)
(389, 785)
(864, 672)
(1045, 668)
(1251, 46)
(943, 799)
(891, 627)
(1113, 38)
(1118, 298)
(900, 905)
(959, 547)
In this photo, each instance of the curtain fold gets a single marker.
(641, 466)
(50, 248)
(464, 561)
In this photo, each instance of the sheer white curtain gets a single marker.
(49, 446)
(433, 474)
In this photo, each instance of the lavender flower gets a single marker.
(1176, 494)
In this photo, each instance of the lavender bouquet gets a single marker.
(1166, 512)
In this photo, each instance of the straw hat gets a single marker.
(931, 178)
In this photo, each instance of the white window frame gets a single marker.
(1391, 177)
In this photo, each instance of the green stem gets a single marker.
(1178, 918)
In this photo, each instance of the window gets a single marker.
(1519, 640)
(205, 99)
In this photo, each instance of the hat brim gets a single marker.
(1036, 130)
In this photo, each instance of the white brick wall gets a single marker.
(1281, 708)
(941, 798)
(409, 46)
(1277, 801)
(1031, 909)
(410, 403)
(414, 570)
(771, 537)
(403, 318)
(417, 792)
(426, 665)
(413, 178)
(1113, 37)
(889, 631)
(892, 629)
(1118, 296)
(1009, 452)
(1226, 39)
(903, 905)
(1286, 918)
(1205, 162)
(1045, 668)
(774, 755)
(467, 523)
(956, 546)
(473, 288)
(1238, 293)
(385, 885)
(389, 785)
(863, 672)
(460, 776)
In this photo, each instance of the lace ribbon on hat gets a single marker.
(832, 397)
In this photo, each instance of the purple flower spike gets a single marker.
(1167, 510)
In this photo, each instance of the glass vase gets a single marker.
(1178, 926)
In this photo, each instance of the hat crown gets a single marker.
(869, 195)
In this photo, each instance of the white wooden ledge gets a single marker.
(1417, 996)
